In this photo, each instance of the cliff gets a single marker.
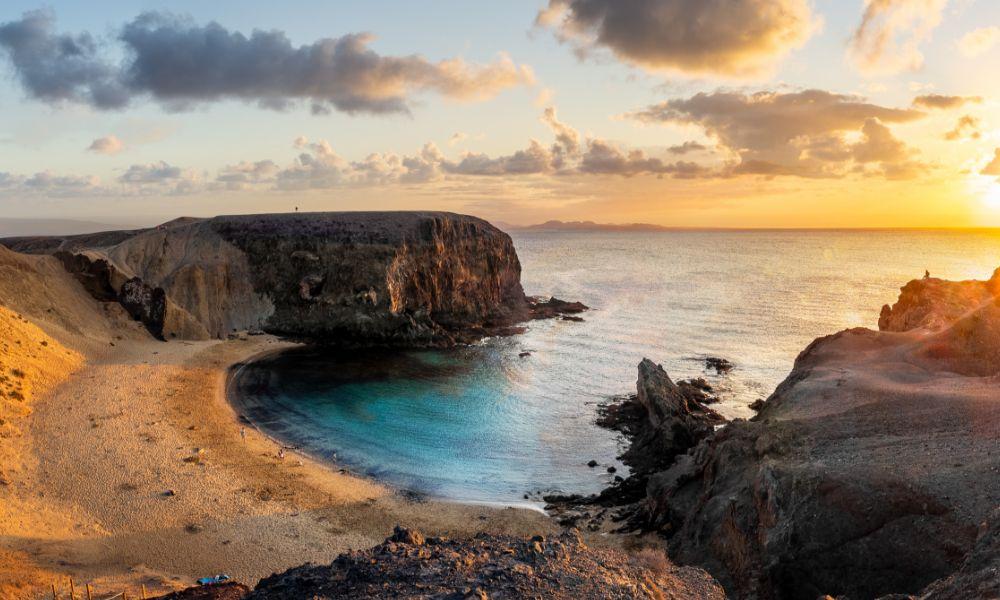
(873, 469)
(406, 278)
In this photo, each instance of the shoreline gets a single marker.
(232, 373)
(151, 423)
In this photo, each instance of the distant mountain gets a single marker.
(592, 226)
(31, 227)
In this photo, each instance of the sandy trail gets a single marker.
(136, 473)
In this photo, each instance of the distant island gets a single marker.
(591, 226)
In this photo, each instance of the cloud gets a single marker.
(241, 175)
(888, 39)
(687, 148)
(604, 158)
(180, 64)
(807, 134)
(60, 185)
(457, 138)
(318, 166)
(737, 38)
(108, 145)
(151, 173)
(979, 41)
(966, 127)
(60, 67)
(993, 168)
(937, 101)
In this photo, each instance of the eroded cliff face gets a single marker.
(406, 278)
(872, 470)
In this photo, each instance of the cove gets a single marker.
(472, 424)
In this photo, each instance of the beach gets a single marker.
(135, 473)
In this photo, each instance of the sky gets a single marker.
(689, 113)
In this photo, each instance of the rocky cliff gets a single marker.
(873, 469)
(406, 278)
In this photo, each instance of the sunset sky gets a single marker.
(708, 113)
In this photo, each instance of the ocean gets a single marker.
(484, 424)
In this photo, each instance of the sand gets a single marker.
(134, 472)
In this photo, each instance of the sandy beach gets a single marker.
(135, 473)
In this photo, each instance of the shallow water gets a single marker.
(482, 424)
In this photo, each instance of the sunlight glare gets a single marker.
(991, 197)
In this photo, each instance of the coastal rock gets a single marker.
(229, 590)
(979, 576)
(353, 279)
(490, 566)
(868, 470)
(673, 420)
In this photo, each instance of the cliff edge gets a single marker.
(389, 278)
(873, 469)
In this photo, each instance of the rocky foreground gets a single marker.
(407, 565)
(392, 278)
(873, 469)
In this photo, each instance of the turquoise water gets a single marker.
(483, 424)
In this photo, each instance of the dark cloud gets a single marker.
(604, 158)
(732, 38)
(966, 127)
(687, 148)
(60, 67)
(180, 63)
(804, 133)
(939, 102)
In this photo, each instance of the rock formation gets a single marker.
(866, 473)
(407, 278)
(488, 566)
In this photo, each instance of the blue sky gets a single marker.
(591, 95)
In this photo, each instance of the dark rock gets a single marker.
(229, 590)
(979, 576)
(757, 405)
(524, 355)
(592, 464)
(407, 536)
(541, 308)
(720, 365)
(488, 566)
(612, 469)
(145, 304)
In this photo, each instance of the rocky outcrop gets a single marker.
(408, 278)
(866, 473)
(407, 565)
(663, 421)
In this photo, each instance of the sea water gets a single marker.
(484, 424)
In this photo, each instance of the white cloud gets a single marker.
(979, 41)
(108, 145)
